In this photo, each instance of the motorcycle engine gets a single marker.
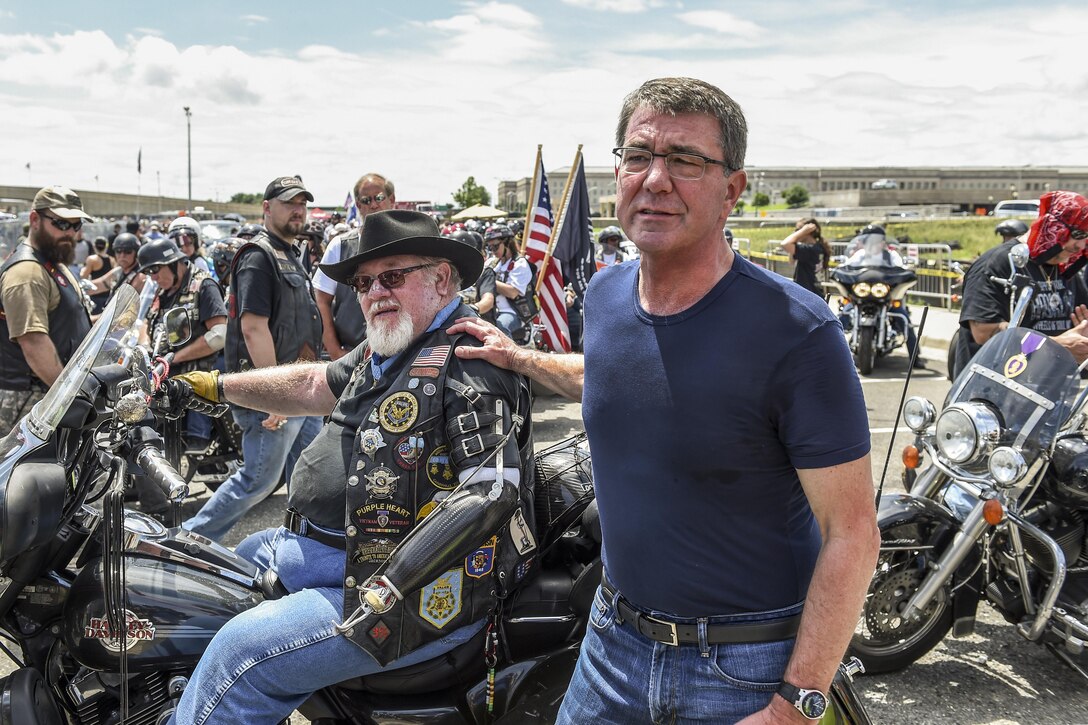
(1067, 481)
(94, 696)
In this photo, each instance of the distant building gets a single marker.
(600, 181)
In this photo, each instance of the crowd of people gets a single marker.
(381, 368)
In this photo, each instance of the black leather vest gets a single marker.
(295, 322)
(400, 470)
(68, 323)
(347, 315)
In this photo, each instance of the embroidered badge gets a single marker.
(426, 509)
(424, 372)
(381, 482)
(524, 541)
(432, 356)
(479, 563)
(409, 452)
(375, 551)
(439, 469)
(376, 518)
(413, 383)
(379, 632)
(398, 412)
(370, 441)
(523, 569)
(440, 601)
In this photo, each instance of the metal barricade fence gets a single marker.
(933, 266)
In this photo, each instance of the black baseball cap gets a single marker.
(285, 188)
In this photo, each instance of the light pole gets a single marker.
(189, 144)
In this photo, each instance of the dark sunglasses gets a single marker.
(63, 224)
(153, 269)
(377, 199)
(390, 279)
(1074, 232)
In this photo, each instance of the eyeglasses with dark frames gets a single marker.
(680, 165)
(390, 278)
(377, 199)
(63, 224)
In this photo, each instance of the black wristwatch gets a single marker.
(810, 703)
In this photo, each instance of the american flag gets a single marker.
(432, 355)
(553, 306)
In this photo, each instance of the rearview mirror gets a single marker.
(179, 328)
(1018, 255)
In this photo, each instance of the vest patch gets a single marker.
(409, 452)
(479, 563)
(381, 482)
(398, 412)
(441, 600)
(440, 469)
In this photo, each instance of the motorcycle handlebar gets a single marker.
(164, 475)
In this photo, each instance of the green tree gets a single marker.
(471, 194)
(243, 198)
(796, 196)
(739, 207)
(760, 199)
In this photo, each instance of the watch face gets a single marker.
(813, 705)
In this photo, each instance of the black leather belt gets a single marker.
(674, 634)
(296, 523)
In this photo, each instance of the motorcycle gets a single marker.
(111, 610)
(999, 515)
(870, 291)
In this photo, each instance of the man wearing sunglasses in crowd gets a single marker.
(44, 313)
(343, 322)
(272, 320)
(1056, 252)
(424, 453)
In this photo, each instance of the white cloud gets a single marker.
(474, 91)
(148, 31)
(253, 19)
(616, 6)
(721, 21)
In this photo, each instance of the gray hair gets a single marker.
(387, 185)
(455, 276)
(690, 95)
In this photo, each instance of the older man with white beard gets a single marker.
(424, 452)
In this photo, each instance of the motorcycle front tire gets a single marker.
(883, 640)
(866, 356)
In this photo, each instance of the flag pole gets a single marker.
(534, 185)
(560, 217)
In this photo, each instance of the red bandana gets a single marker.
(1058, 211)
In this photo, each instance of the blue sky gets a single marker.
(432, 92)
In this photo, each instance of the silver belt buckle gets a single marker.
(672, 631)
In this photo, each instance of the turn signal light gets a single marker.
(993, 512)
(911, 457)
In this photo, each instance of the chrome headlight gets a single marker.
(919, 414)
(861, 289)
(1007, 465)
(880, 289)
(966, 431)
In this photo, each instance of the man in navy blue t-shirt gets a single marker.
(731, 466)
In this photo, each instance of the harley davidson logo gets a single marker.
(139, 630)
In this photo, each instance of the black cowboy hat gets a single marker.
(399, 231)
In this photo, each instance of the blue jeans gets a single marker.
(623, 677)
(267, 661)
(510, 323)
(267, 454)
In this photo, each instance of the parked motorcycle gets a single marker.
(999, 514)
(871, 289)
(110, 610)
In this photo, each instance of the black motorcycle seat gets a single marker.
(460, 666)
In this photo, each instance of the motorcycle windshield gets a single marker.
(1030, 381)
(872, 246)
(112, 340)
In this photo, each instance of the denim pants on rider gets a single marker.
(510, 323)
(266, 453)
(624, 677)
(266, 661)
